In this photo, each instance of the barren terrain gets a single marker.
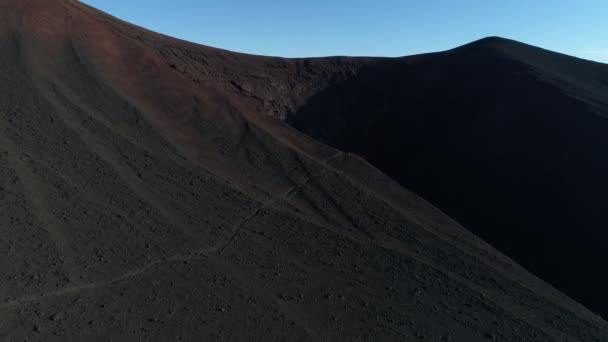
(149, 190)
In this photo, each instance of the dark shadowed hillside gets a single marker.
(146, 194)
(506, 138)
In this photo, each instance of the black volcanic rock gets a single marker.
(147, 195)
(506, 138)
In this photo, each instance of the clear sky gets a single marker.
(307, 28)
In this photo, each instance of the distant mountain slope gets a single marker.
(146, 195)
(508, 139)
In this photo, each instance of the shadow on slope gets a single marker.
(142, 200)
(494, 143)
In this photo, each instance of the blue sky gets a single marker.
(373, 28)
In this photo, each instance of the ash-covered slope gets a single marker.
(508, 139)
(146, 195)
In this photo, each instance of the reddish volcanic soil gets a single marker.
(150, 191)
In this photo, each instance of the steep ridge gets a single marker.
(506, 138)
(147, 195)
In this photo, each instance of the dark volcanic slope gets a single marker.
(508, 139)
(146, 195)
